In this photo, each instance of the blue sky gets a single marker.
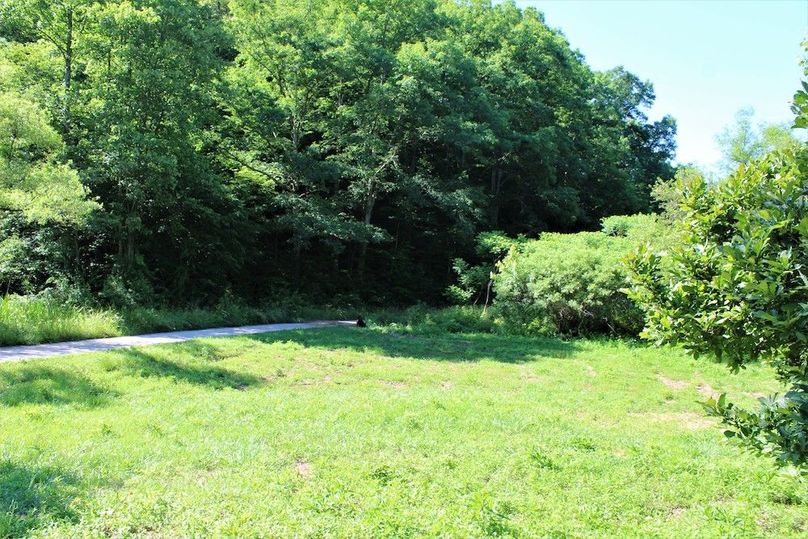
(706, 59)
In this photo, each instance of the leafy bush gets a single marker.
(622, 225)
(566, 283)
(737, 288)
(474, 281)
(573, 283)
(640, 229)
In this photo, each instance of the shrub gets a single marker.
(622, 225)
(566, 283)
(737, 288)
(474, 280)
(573, 283)
(640, 229)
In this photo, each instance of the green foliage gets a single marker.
(471, 282)
(458, 319)
(566, 284)
(799, 105)
(629, 225)
(474, 281)
(43, 204)
(496, 243)
(736, 288)
(776, 428)
(13, 252)
(668, 196)
(329, 147)
(573, 283)
(745, 142)
(32, 182)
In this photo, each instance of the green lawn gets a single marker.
(360, 433)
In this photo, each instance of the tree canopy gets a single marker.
(348, 147)
(744, 142)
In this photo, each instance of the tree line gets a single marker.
(181, 150)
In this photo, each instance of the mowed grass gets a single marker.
(365, 433)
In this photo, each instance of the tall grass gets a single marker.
(143, 319)
(39, 319)
(29, 320)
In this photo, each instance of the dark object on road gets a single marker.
(360, 323)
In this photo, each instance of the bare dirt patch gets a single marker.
(674, 512)
(395, 384)
(313, 381)
(304, 469)
(446, 385)
(671, 383)
(531, 377)
(688, 420)
(707, 391)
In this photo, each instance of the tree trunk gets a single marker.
(67, 78)
(496, 188)
(77, 254)
(363, 250)
(130, 248)
(296, 270)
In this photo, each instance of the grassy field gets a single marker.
(364, 433)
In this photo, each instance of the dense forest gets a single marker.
(178, 151)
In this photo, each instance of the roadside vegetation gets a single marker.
(32, 320)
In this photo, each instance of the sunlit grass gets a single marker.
(31, 320)
(361, 433)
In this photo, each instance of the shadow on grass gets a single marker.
(141, 363)
(437, 347)
(204, 351)
(32, 496)
(38, 384)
